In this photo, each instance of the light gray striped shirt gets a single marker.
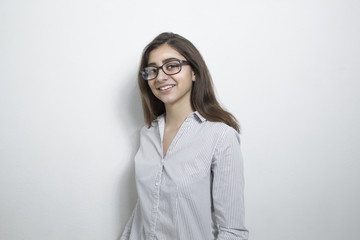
(195, 192)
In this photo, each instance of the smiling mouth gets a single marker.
(166, 87)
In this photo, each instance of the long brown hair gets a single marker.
(203, 98)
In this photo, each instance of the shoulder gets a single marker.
(225, 134)
(222, 128)
(154, 125)
(146, 130)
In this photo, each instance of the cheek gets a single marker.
(151, 85)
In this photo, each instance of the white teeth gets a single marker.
(166, 87)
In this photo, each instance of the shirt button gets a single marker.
(157, 184)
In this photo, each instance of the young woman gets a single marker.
(189, 169)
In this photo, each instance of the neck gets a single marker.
(176, 115)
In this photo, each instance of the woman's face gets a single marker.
(174, 90)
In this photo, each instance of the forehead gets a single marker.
(163, 52)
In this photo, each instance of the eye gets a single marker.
(172, 66)
(150, 70)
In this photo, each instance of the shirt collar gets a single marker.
(196, 113)
(201, 118)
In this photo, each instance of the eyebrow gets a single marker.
(163, 61)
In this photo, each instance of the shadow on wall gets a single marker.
(130, 115)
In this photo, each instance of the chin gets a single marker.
(166, 99)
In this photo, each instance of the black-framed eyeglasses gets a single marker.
(171, 67)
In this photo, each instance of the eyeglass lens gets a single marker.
(169, 68)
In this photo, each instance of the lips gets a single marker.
(166, 87)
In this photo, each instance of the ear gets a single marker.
(193, 76)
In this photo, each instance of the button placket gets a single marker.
(156, 193)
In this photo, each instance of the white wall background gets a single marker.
(70, 111)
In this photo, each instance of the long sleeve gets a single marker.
(228, 188)
(127, 230)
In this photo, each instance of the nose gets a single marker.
(161, 75)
